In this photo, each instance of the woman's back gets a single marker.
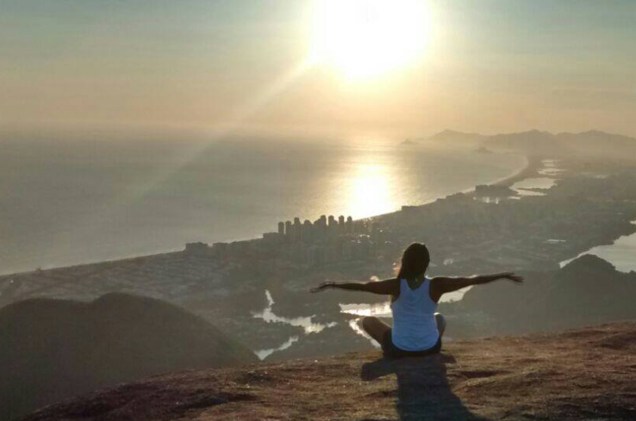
(417, 328)
(414, 325)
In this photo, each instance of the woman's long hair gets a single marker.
(415, 261)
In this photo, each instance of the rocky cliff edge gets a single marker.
(577, 374)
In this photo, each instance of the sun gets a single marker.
(362, 39)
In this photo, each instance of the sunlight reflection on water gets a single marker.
(365, 310)
(305, 322)
(369, 191)
(533, 183)
(353, 324)
(550, 172)
(621, 253)
(264, 353)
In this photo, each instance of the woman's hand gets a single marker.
(323, 286)
(512, 277)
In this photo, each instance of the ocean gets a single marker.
(71, 202)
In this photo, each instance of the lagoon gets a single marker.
(621, 253)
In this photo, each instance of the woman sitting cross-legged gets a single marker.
(417, 327)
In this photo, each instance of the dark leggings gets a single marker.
(392, 351)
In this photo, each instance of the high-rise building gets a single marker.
(307, 231)
(296, 229)
(349, 225)
(320, 227)
(332, 226)
(288, 230)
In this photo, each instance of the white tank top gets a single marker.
(414, 326)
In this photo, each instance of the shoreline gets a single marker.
(206, 280)
(528, 168)
(606, 245)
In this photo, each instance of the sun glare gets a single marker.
(369, 192)
(368, 38)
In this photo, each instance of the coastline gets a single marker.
(206, 279)
(528, 168)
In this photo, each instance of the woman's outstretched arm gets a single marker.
(386, 287)
(443, 284)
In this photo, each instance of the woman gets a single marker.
(417, 328)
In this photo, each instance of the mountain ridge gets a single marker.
(450, 133)
(588, 144)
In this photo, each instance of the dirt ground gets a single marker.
(580, 374)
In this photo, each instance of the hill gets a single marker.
(455, 137)
(581, 374)
(590, 144)
(588, 290)
(55, 349)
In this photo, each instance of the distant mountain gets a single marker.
(448, 136)
(587, 144)
(588, 290)
(530, 141)
(55, 349)
(597, 143)
(595, 136)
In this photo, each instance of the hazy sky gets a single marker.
(489, 66)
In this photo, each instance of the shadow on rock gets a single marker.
(423, 391)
